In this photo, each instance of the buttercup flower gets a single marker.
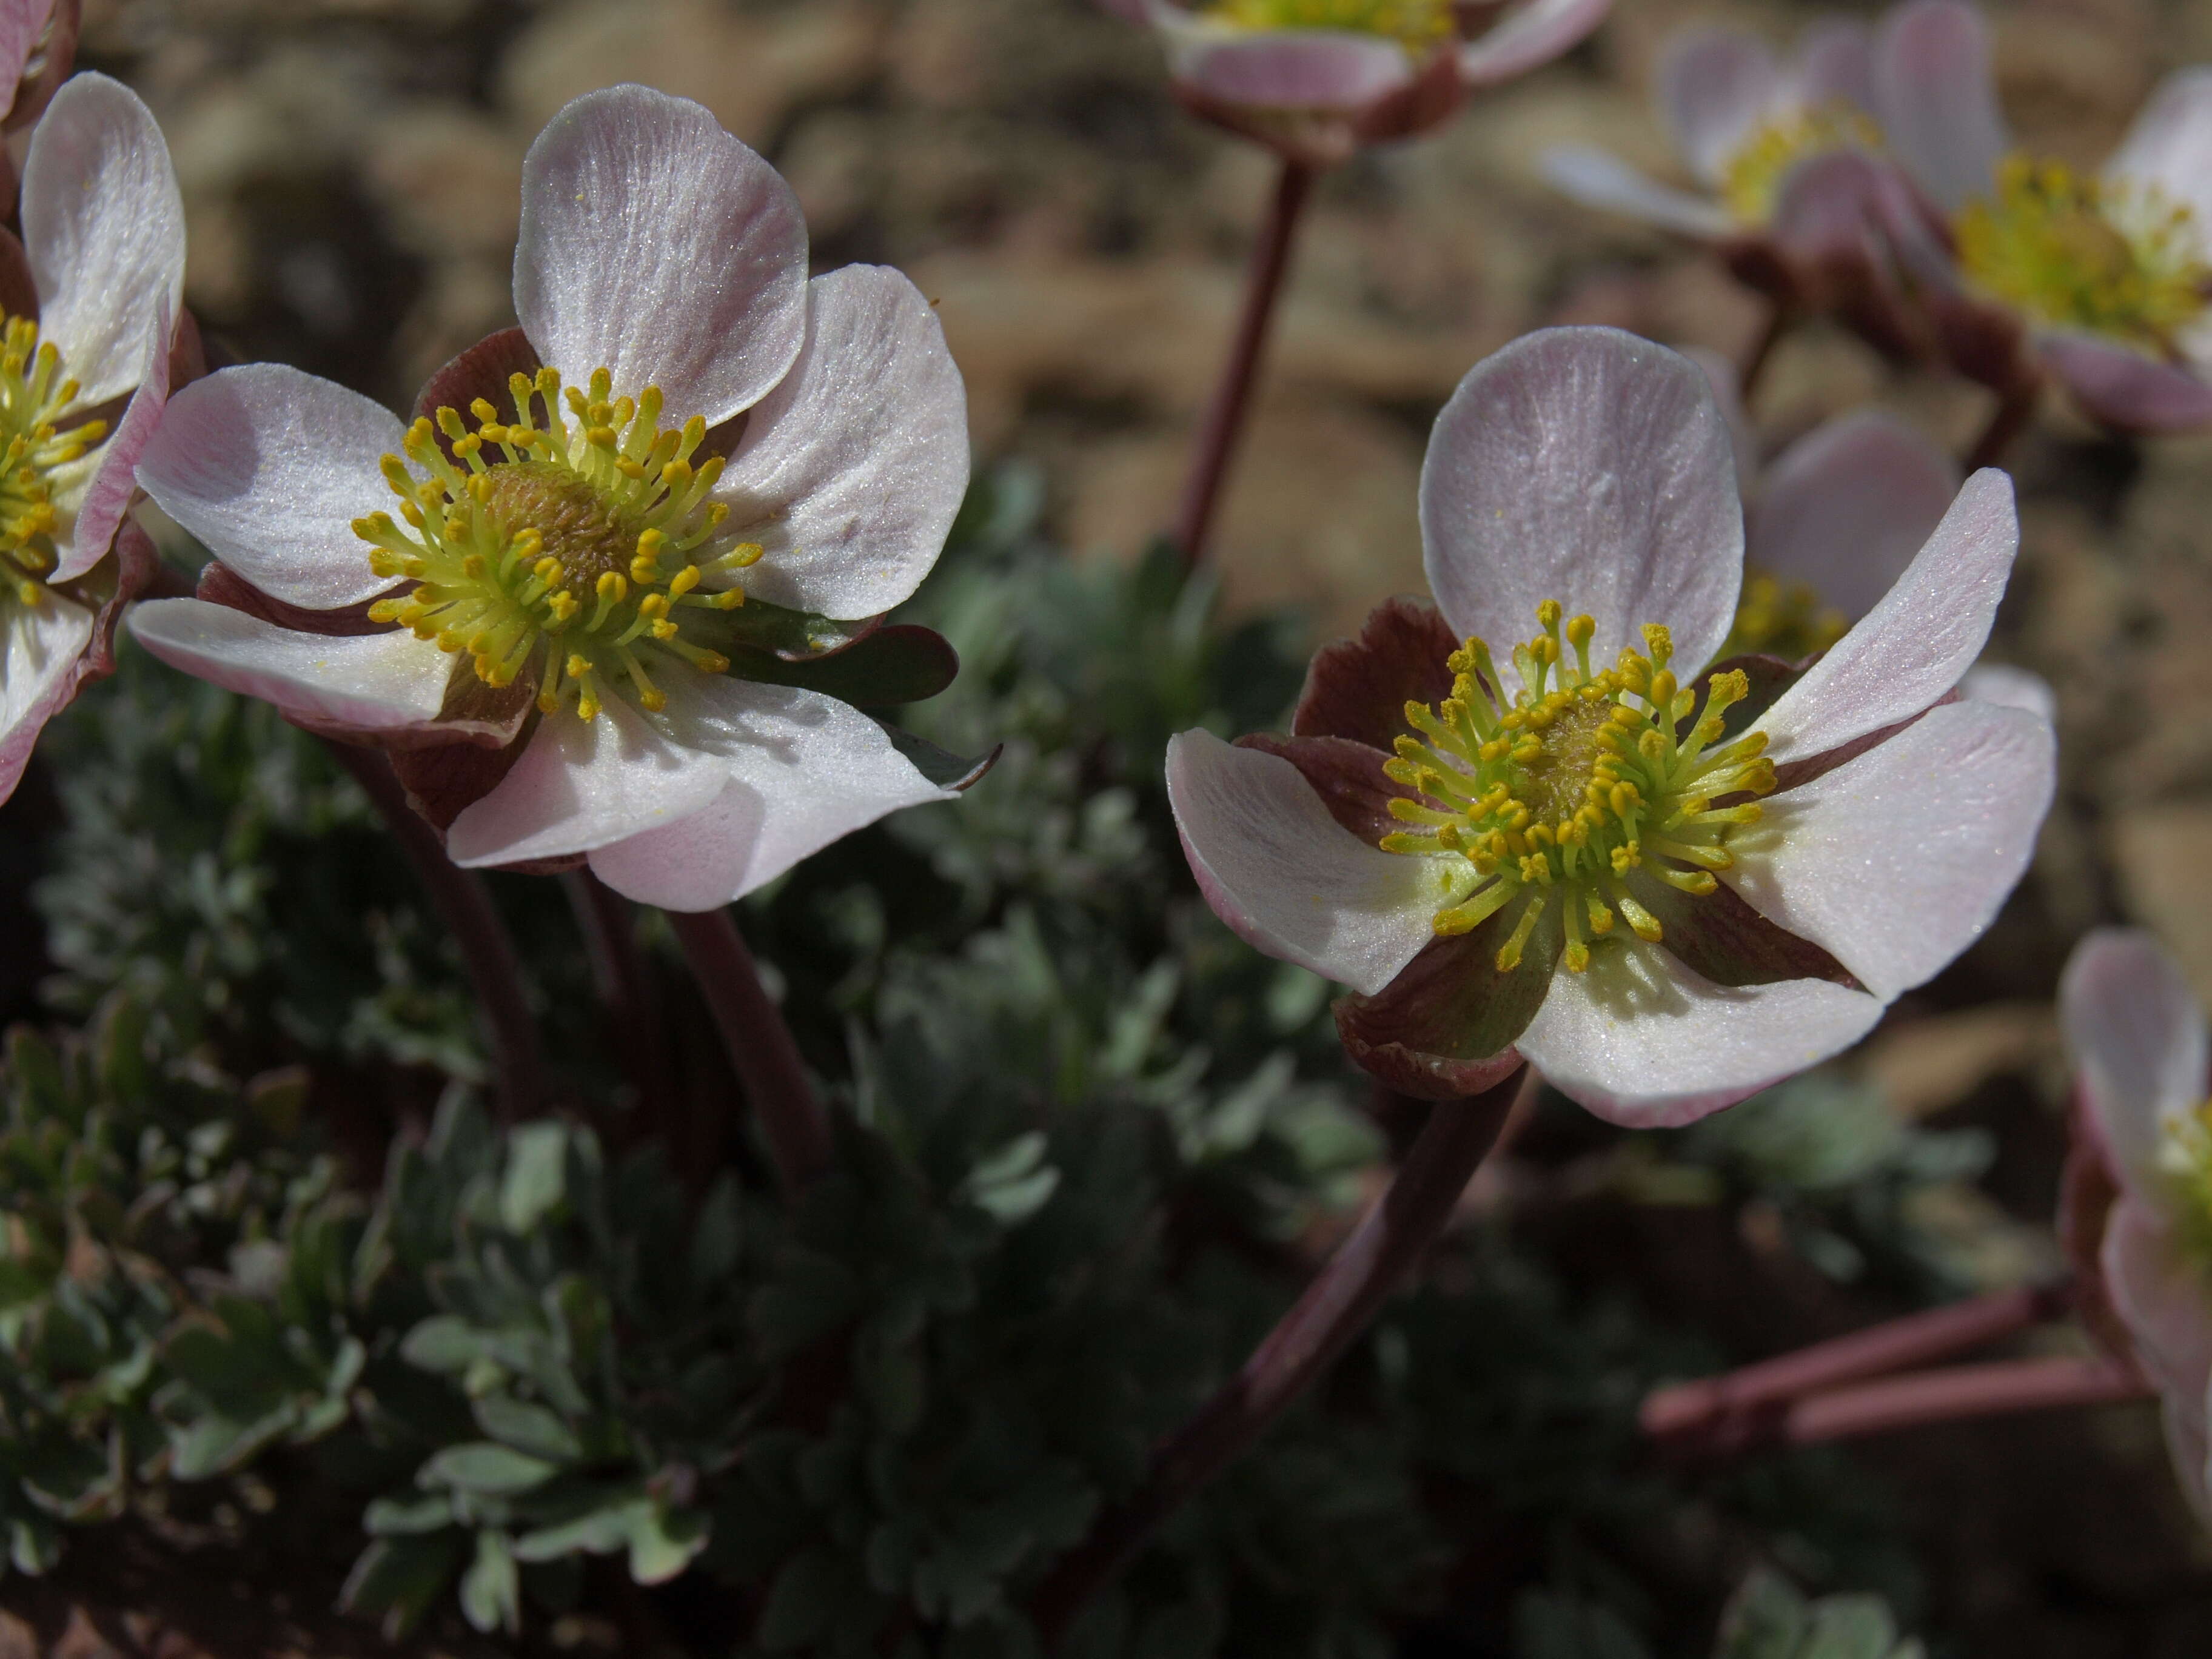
(90, 296)
(2138, 1207)
(1830, 524)
(611, 539)
(2105, 278)
(1665, 896)
(1316, 79)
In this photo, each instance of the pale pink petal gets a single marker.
(39, 649)
(269, 468)
(852, 469)
(2158, 1291)
(21, 22)
(1589, 466)
(1714, 87)
(1846, 508)
(1937, 97)
(2170, 146)
(2125, 389)
(1528, 39)
(803, 770)
(582, 785)
(1599, 181)
(1834, 64)
(1727, 396)
(1289, 878)
(1913, 645)
(1302, 71)
(1642, 1041)
(85, 541)
(103, 225)
(657, 247)
(373, 682)
(2010, 688)
(1897, 860)
(2138, 1043)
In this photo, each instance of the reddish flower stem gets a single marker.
(2014, 412)
(1779, 318)
(1232, 394)
(761, 1049)
(1367, 1269)
(464, 904)
(623, 980)
(1959, 1391)
(1691, 1409)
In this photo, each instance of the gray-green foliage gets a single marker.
(1769, 1618)
(1088, 1143)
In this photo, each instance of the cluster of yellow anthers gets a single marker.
(32, 395)
(1420, 26)
(1786, 620)
(1583, 776)
(577, 535)
(1752, 176)
(2118, 259)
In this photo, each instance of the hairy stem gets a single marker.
(1367, 1269)
(1956, 1392)
(1690, 1410)
(762, 1050)
(623, 979)
(1232, 394)
(464, 904)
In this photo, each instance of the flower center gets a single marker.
(1582, 777)
(1751, 177)
(2185, 1157)
(566, 548)
(1789, 620)
(2119, 259)
(1419, 25)
(32, 397)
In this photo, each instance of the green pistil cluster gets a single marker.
(2116, 260)
(1419, 25)
(566, 548)
(33, 397)
(1583, 776)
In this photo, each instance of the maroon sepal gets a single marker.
(19, 291)
(2088, 1190)
(443, 780)
(1721, 936)
(1446, 1025)
(885, 668)
(1346, 775)
(482, 371)
(1359, 687)
(188, 357)
(1320, 139)
(220, 585)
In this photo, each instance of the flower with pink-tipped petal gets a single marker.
(2103, 279)
(1663, 896)
(2137, 1210)
(92, 295)
(1316, 79)
(591, 597)
(37, 46)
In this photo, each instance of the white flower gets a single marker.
(2138, 1210)
(570, 558)
(1735, 886)
(102, 265)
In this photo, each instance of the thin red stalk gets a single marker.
(2012, 414)
(1960, 1391)
(762, 1050)
(1688, 1409)
(623, 978)
(464, 904)
(1367, 1269)
(1232, 394)
(1780, 317)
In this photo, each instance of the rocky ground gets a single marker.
(350, 168)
